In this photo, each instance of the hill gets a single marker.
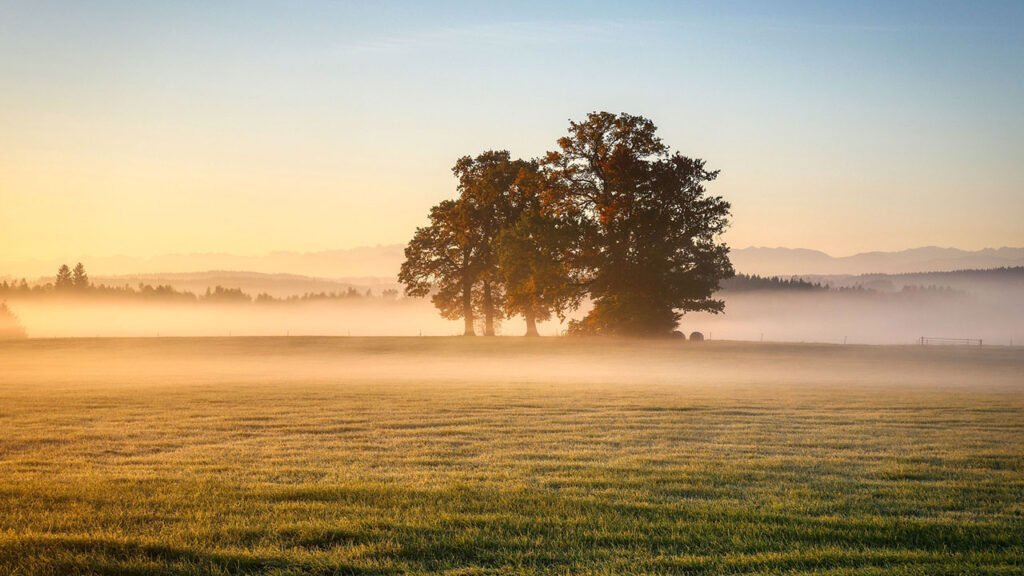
(277, 285)
(800, 261)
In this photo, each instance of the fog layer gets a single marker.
(996, 317)
(865, 318)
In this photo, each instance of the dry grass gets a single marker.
(391, 456)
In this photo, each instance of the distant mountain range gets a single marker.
(382, 263)
(1003, 280)
(800, 261)
(364, 261)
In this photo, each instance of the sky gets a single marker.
(147, 128)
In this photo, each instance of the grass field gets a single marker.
(560, 456)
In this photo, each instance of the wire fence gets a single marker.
(934, 341)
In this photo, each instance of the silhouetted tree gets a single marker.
(222, 294)
(649, 229)
(750, 282)
(454, 258)
(536, 255)
(64, 280)
(79, 279)
(485, 188)
(443, 260)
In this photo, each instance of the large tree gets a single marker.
(649, 228)
(443, 260)
(456, 257)
(537, 255)
(486, 184)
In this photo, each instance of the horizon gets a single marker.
(372, 263)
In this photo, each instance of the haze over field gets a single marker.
(870, 309)
(556, 456)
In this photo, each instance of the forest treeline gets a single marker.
(748, 282)
(83, 287)
(611, 215)
(74, 282)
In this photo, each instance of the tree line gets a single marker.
(75, 282)
(751, 282)
(611, 215)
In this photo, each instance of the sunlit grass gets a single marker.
(207, 457)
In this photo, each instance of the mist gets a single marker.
(994, 315)
(75, 318)
(615, 366)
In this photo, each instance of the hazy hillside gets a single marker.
(363, 261)
(1002, 280)
(798, 261)
(356, 265)
(253, 283)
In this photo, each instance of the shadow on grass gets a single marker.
(82, 555)
(397, 530)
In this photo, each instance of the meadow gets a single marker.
(508, 456)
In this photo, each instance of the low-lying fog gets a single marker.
(610, 365)
(867, 318)
(84, 318)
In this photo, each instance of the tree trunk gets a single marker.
(531, 324)
(488, 310)
(467, 307)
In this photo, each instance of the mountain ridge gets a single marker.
(383, 261)
(802, 261)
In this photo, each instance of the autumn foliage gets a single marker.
(612, 215)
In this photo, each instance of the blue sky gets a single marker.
(156, 127)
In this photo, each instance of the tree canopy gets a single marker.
(443, 260)
(613, 214)
(64, 281)
(79, 278)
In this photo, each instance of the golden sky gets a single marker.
(247, 128)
